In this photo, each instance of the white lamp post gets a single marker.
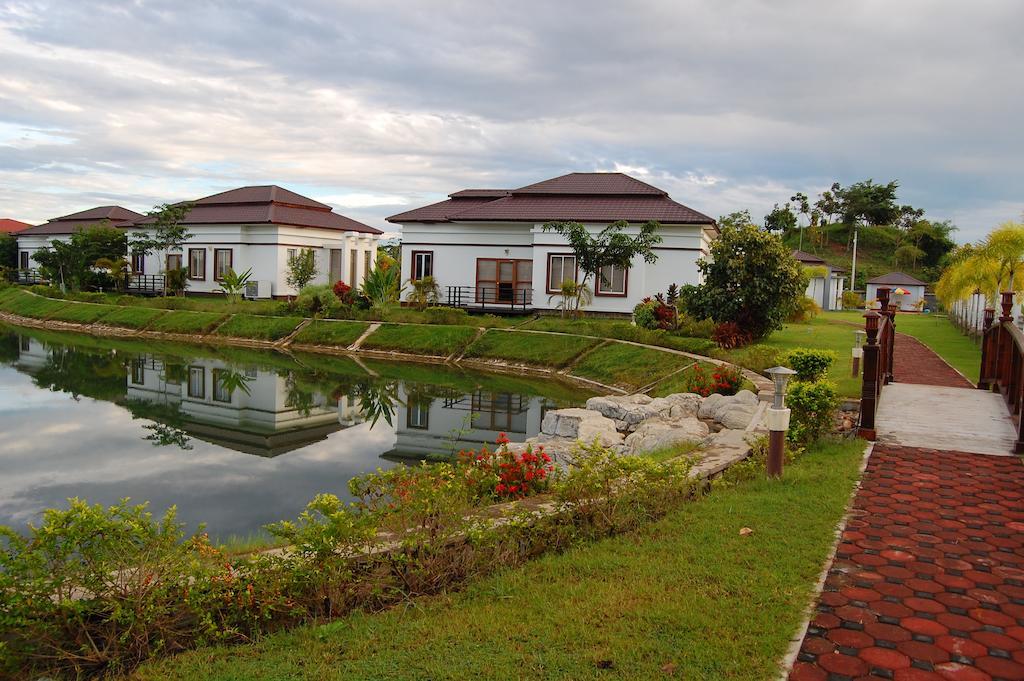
(858, 349)
(777, 418)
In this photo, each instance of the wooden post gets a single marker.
(986, 350)
(869, 382)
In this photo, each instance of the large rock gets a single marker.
(738, 416)
(708, 405)
(684, 405)
(628, 411)
(746, 397)
(580, 424)
(654, 435)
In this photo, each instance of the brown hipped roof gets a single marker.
(896, 279)
(808, 258)
(267, 204)
(9, 226)
(69, 224)
(598, 197)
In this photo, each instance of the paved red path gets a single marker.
(928, 580)
(915, 362)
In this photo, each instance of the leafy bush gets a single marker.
(729, 335)
(425, 291)
(852, 300)
(316, 301)
(643, 314)
(810, 364)
(695, 328)
(504, 474)
(725, 380)
(344, 292)
(804, 311)
(813, 405)
(654, 313)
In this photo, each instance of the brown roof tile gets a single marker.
(896, 279)
(69, 224)
(602, 197)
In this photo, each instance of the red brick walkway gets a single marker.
(915, 362)
(928, 580)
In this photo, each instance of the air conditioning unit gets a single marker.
(257, 289)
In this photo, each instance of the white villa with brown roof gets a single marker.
(250, 227)
(827, 290)
(487, 248)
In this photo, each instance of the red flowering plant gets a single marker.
(344, 293)
(505, 474)
(720, 379)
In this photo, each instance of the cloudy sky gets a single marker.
(379, 106)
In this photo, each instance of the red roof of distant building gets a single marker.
(267, 204)
(595, 197)
(9, 226)
(69, 224)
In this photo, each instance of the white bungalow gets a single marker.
(487, 248)
(262, 227)
(42, 236)
(910, 301)
(827, 290)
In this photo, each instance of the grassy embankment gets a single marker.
(434, 340)
(687, 597)
(258, 327)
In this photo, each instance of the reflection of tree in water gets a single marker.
(97, 375)
(298, 397)
(376, 399)
(231, 379)
(168, 421)
(10, 349)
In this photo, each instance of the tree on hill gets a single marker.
(874, 204)
(828, 204)
(780, 219)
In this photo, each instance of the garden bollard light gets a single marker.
(858, 350)
(777, 418)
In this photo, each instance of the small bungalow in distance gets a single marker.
(825, 290)
(912, 301)
(488, 250)
(60, 229)
(257, 227)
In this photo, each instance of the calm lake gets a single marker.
(234, 438)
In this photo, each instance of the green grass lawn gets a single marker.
(538, 349)
(435, 339)
(686, 597)
(83, 313)
(628, 366)
(323, 332)
(132, 317)
(622, 330)
(182, 321)
(25, 304)
(258, 327)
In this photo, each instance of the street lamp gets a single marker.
(858, 349)
(778, 420)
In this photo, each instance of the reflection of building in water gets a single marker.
(32, 354)
(250, 410)
(430, 426)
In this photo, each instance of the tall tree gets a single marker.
(166, 234)
(302, 269)
(71, 262)
(875, 204)
(828, 203)
(780, 219)
(609, 247)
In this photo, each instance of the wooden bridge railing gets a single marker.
(877, 362)
(1002, 362)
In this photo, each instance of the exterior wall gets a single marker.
(456, 247)
(907, 303)
(33, 243)
(830, 300)
(265, 248)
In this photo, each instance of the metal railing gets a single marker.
(27, 277)
(1002, 362)
(145, 284)
(877, 362)
(491, 298)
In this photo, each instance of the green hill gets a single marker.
(876, 251)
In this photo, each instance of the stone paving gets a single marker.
(915, 362)
(928, 579)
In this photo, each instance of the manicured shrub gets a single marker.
(729, 335)
(852, 300)
(316, 301)
(725, 380)
(813, 405)
(809, 364)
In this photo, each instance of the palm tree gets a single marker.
(1005, 245)
(572, 297)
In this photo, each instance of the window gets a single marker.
(422, 264)
(292, 254)
(223, 260)
(353, 263)
(561, 268)
(367, 264)
(23, 260)
(197, 382)
(173, 261)
(139, 371)
(221, 391)
(197, 264)
(503, 281)
(24, 343)
(418, 414)
(138, 263)
(612, 281)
